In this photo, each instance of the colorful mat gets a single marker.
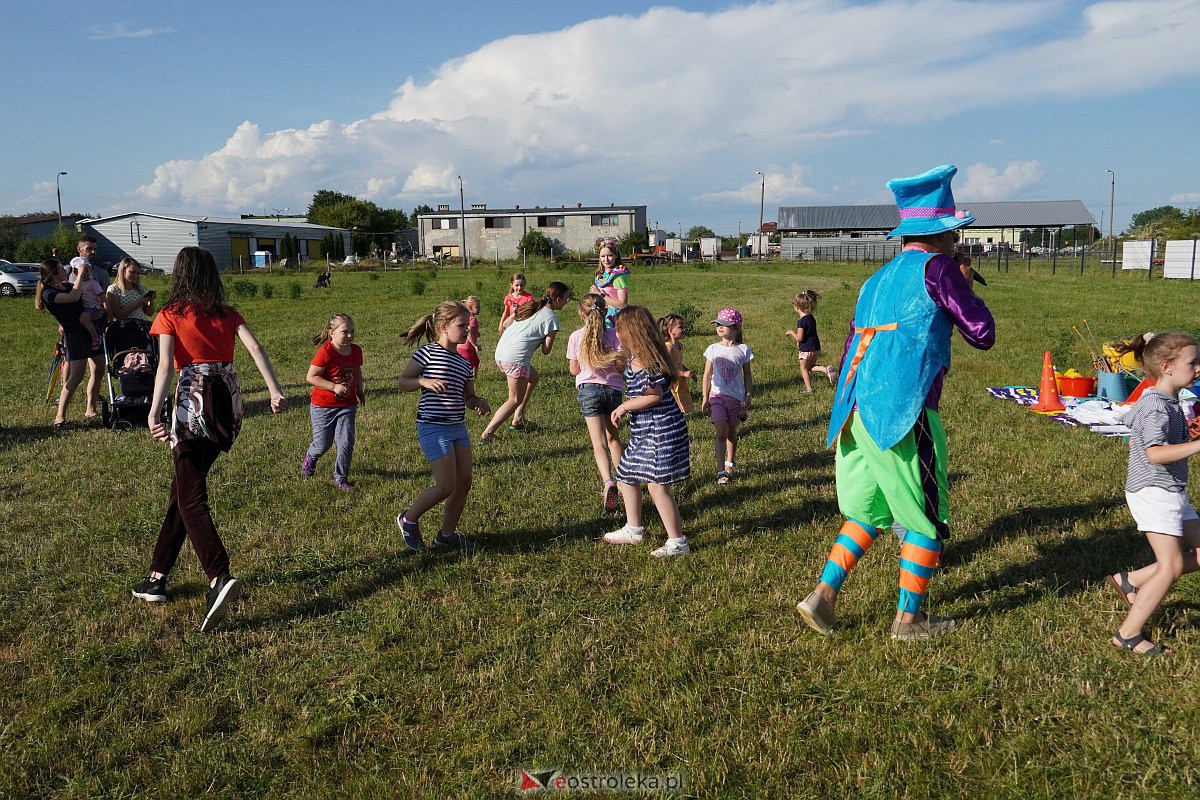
(1094, 413)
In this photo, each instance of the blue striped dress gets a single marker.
(658, 436)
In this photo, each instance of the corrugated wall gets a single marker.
(151, 240)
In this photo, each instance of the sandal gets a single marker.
(1122, 586)
(722, 477)
(1121, 643)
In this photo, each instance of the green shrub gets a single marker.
(689, 313)
(244, 289)
(416, 286)
(373, 276)
(293, 290)
(268, 291)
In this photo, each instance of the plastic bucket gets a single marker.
(1077, 387)
(1112, 386)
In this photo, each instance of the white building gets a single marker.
(496, 233)
(155, 239)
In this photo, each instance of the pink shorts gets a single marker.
(514, 370)
(723, 408)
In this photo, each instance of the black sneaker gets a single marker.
(220, 596)
(152, 590)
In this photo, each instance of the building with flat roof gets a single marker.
(155, 239)
(496, 232)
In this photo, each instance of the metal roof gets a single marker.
(1016, 214)
(191, 219)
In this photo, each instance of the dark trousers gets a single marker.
(188, 515)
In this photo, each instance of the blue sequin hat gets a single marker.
(926, 204)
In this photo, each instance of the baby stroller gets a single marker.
(131, 360)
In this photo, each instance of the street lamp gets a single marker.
(1112, 196)
(58, 191)
(462, 222)
(762, 196)
(279, 211)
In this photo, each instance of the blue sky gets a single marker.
(221, 107)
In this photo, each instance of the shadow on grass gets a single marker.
(31, 434)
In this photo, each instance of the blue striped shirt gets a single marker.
(441, 364)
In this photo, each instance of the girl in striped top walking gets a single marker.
(447, 387)
(657, 453)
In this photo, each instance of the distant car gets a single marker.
(774, 249)
(17, 279)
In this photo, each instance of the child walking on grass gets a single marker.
(657, 453)
(673, 333)
(1156, 486)
(196, 330)
(533, 327)
(470, 348)
(447, 388)
(808, 344)
(594, 360)
(336, 378)
(726, 388)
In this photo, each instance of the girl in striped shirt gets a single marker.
(447, 387)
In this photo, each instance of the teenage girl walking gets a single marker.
(726, 388)
(594, 360)
(673, 335)
(657, 453)
(196, 330)
(336, 377)
(1156, 486)
(533, 327)
(447, 388)
(516, 297)
(808, 344)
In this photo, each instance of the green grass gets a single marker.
(353, 668)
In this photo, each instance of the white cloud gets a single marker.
(699, 100)
(119, 30)
(1186, 197)
(782, 186)
(984, 183)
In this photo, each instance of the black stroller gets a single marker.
(132, 360)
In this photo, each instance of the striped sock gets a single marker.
(919, 557)
(852, 541)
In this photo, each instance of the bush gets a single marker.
(689, 313)
(373, 276)
(535, 243)
(244, 289)
(293, 290)
(268, 291)
(416, 286)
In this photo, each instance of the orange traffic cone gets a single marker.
(1048, 399)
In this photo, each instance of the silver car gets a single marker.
(17, 279)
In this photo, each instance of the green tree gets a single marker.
(535, 243)
(1163, 215)
(323, 199)
(421, 209)
(633, 242)
(10, 236)
(63, 239)
(698, 232)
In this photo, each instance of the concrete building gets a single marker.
(496, 233)
(155, 239)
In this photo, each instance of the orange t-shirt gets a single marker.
(198, 339)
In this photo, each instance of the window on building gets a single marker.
(551, 222)
(446, 223)
(497, 222)
(605, 219)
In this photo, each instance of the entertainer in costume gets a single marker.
(891, 446)
(612, 280)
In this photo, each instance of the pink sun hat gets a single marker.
(728, 316)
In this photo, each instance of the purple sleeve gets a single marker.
(952, 293)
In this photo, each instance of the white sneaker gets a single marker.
(626, 535)
(673, 547)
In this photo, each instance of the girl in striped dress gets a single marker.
(657, 453)
(447, 386)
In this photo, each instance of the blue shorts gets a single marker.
(438, 440)
(598, 400)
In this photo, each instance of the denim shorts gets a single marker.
(438, 441)
(598, 400)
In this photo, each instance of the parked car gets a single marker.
(17, 279)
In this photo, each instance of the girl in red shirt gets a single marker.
(336, 377)
(196, 330)
(516, 298)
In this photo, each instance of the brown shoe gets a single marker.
(927, 628)
(817, 613)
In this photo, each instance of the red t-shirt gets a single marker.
(511, 303)
(199, 339)
(337, 368)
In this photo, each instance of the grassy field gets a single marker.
(353, 668)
